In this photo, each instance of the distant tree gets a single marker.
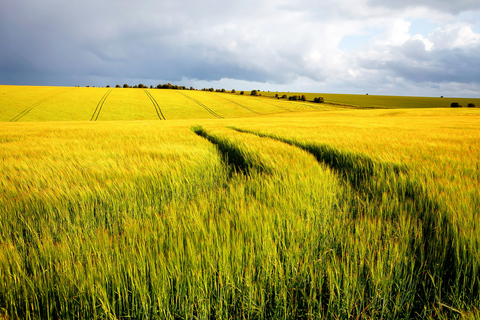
(151, 86)
(242, 93)
(471, 105)
(276, 95)
(126, 86)
(293, 98)
(191, 88)
(284, 96)
(223, 90)
(108, 86)
(211, 90)
(455, 105)
(233, 91)
(117, 86)
(303, 98)
(319, 100)
(254, 93)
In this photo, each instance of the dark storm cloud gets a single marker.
(141, 40)
(118, 38)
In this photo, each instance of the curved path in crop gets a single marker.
(389, 185)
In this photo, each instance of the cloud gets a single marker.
(282, 44)
(451, 7)
(445, 55)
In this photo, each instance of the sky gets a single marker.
(386, 47)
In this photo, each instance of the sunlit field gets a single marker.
(197, 205)
(19, 104)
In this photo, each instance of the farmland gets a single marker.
(383, 102)
(97, 104)
(118, 203)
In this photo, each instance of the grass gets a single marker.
(305, 213)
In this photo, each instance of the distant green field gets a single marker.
(235, 207)
(373, 101)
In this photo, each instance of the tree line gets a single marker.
(159, 86)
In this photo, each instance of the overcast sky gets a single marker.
(398, 47)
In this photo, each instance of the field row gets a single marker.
(97, 104)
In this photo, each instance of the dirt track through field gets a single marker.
(155, 104)
(202, 105)
(98, 109)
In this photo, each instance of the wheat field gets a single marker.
(162, 204)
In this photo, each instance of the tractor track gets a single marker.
(241, 105)
(27, 110)
(155, 104)
(98, 109)
(202, 105)
(30, 108)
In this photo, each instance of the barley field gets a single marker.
(163, 204)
